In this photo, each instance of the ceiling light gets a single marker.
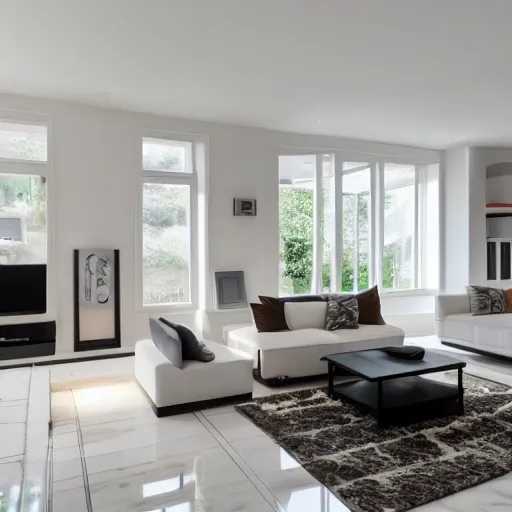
(320, 121)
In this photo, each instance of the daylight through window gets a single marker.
(346, 225)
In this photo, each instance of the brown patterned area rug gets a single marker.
(398, 468)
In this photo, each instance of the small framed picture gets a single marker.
(245, 207)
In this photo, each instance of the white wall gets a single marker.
(477, 220)
(96, 158)
(456, 220)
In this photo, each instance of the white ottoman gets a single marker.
(171, 390)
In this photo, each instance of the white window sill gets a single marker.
(408, 293)
(168, 308)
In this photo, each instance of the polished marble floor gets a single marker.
(111, 454)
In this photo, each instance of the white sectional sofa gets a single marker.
(457, 327)
(279, 357)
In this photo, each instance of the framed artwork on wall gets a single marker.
(244, 207)
(97, 322)
(230, 288)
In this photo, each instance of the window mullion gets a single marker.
(373, 216)
(337, 252)
(378, 215)
(416, 237)
(316, 278)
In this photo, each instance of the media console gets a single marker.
(27, 340)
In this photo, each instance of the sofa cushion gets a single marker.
(269, 317)
(167, 341)
(250, 340)
(485, 301)
(342, 314)
(305, 315)
(369, 307)
(191, 347)
(508, 298)
(369, 332)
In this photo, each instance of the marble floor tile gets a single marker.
(233, 426)
(109, 399)
(118, 435)
(64, 428)
(218, 410)
(14, 384)
(88, 419)
(83, 374)
(66, 454)
(209, 481)
(67, 440)
(71, 500)
(67, 469)
(63, 414)
(12, 439)
(151, 453)
(68, 483)
(13, 411)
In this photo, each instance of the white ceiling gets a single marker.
(430, 73)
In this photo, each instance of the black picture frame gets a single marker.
(244, 207)
(96, 344)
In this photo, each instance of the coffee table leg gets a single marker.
(380, 420)
(461, 393)
(330, 369)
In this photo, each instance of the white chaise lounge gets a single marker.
(197, 385)
(279, 357)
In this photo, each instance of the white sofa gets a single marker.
(456, 326)
(279, 357)
(172, 390)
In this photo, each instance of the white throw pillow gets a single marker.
(305, 315)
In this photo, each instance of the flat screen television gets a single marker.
(22, 289)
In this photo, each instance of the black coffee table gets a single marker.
(392, 388)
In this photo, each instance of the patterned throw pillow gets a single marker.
(486, 301)
(342, 314)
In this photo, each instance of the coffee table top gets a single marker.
(375, 365)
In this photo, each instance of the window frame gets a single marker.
(375, 218)
(43, 168)
(170, 178)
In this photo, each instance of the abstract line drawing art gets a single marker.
(96, 271)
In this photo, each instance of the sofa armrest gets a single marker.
(451, 305)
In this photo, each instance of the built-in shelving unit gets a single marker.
(499, 263)
(494, 212)
(499, 234)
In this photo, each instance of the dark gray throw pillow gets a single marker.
(486, 301)
(192, 348)
(167, 340)
(342, 314)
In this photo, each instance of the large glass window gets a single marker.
(398, 265)
(166, 155)
(23, 141)
(166, 243)
(296, 198)
(169, 219)
(22, 219)
(356, 226)
(346, 225)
